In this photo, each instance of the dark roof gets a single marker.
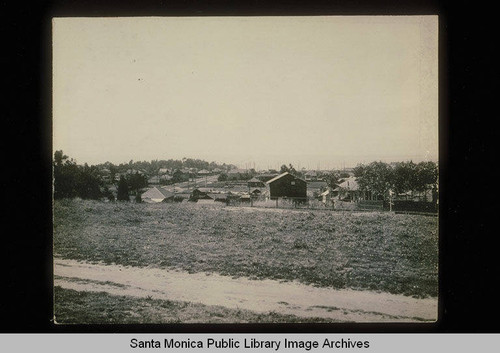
(281, 176)
(165, 192)
(183, 195)
(204, 190)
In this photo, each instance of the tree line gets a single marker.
(152, 167)
(84, 181)
(380, 178)
(72, 180)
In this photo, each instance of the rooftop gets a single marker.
(281, 176)
(349, 184)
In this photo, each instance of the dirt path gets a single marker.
(256, 295)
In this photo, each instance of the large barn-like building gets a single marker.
(287, 185)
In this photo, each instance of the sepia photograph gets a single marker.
(277, 169)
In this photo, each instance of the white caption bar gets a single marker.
(249, 343)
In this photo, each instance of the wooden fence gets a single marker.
(337, 205)
(371, 205)
(412, 206)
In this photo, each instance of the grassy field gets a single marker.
(74, 307)
(375, 251)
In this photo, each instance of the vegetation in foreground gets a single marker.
(375, 251)
(75, 307)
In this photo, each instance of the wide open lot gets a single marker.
(378, 252)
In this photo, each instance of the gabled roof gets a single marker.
(165, 192)
(183, 195)
(255, 180)
(349, 183)
(157, 193)
(281, 176)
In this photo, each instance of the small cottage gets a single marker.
(255, 183)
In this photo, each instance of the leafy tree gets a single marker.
(222, 177)
(122, 193)
(137, 181)
(89, 183)
(426, 175)
(108, 194)
(245, 176)
(71, 180)
(404, 177)
(375, 177)
(332, 179)
(59, 158)
(65, 176)
(290, 169)
(359, 170)
(179, 177)
(112, 172)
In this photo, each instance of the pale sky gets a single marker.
(312, 91)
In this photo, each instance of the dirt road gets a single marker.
(256, 295)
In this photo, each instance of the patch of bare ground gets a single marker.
(83, 307)
(258, 296)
